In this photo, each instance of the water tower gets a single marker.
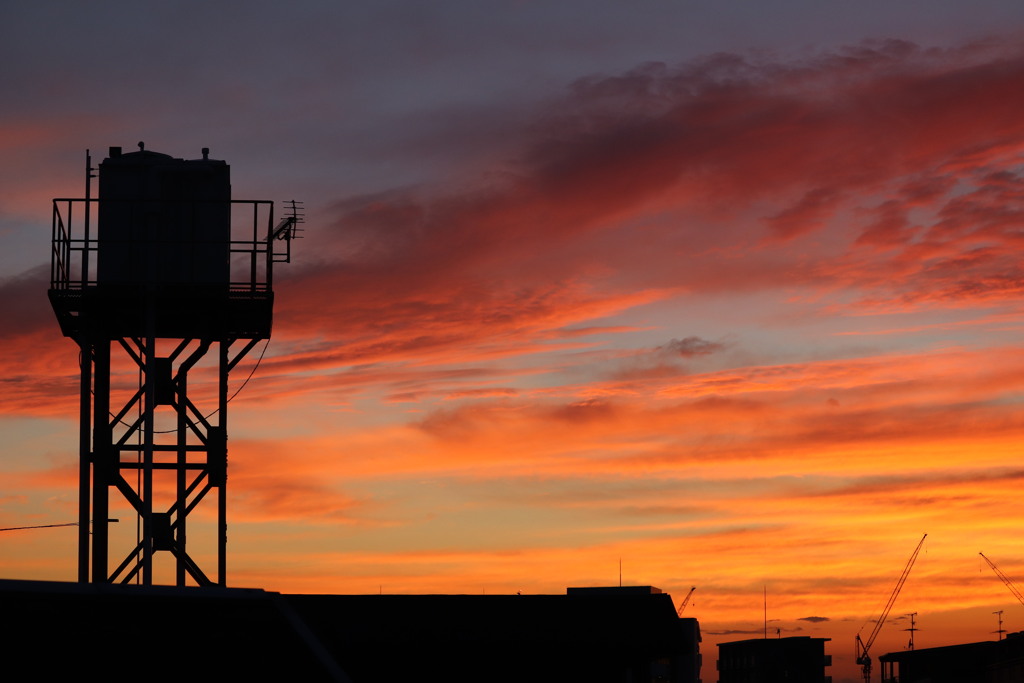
(166, 284)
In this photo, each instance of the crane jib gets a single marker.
(864, 647)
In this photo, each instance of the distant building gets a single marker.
(799, 659)
(989, 661)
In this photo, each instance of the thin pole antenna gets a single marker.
(766, 612)
(913, 628)
(620, 572)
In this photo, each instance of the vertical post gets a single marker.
(88, 209)
(182, 482)
(103, 456)
(85, 460)
(254, 252)
(150, 373)
(766, 611)
(269, 272)
(222, 499)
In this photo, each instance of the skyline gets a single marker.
(728, 296)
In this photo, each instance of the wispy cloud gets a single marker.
(731, 320)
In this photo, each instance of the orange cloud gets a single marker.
(741, 323)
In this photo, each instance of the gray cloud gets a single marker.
(689, 347)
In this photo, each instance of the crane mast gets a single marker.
(863, 647)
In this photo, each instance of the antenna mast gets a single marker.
(913, 628)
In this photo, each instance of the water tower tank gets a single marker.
(163, 222)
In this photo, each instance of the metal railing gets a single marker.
(254, 242)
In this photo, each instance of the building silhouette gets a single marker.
(990, 661)
(80, 631)
(798, 659)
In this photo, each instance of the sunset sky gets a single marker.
(728, 291)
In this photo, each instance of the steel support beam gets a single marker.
(121, 453)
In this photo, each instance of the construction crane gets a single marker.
(1005, 579)
(685, 602)
(863, 647)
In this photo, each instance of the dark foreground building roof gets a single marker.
(68, 630)
(798, 659)
(985, 662)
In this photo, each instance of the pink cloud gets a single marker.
(798, 147)
(879, 161)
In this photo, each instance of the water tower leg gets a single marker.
(103, 457)
(222, 499)
(84, 463)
